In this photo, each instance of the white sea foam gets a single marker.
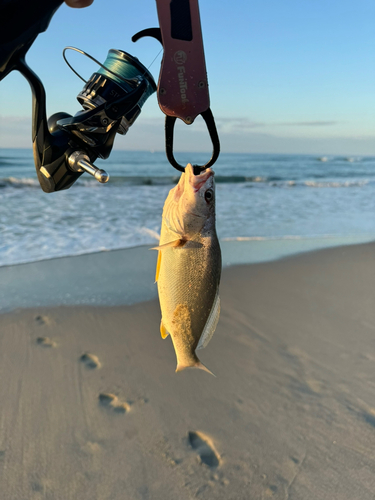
(336, 184)
(288, 200)
(19, 182)
(287, 237)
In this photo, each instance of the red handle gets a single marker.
(183, 86)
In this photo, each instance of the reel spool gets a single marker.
(119, 75)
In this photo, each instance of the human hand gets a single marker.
(78, 4)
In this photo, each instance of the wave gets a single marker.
(138, 180)
(252, 181)
(5, 163)
(336, 184)
(297, 237)
(19, 182)
(350, 159)
(166, 180)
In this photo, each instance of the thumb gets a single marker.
(78, 4)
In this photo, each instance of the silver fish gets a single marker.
(189, 267)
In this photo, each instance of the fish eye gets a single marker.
(208, 195)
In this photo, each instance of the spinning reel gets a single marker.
(66, 146)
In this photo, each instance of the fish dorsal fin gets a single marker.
(211, 324)
(158, 267)
(163, 330)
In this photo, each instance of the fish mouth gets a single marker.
(197, 181)
(189, 179)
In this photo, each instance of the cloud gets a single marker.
(236, 135)
(307, 124)
(244, 125)
(241, 125)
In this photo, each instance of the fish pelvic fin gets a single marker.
(163, 330)
(196, 364)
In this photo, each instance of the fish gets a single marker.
(189, 267)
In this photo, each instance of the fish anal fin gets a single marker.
(171, 244)
(211, 324)
(163, 330)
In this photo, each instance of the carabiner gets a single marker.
(169, 132)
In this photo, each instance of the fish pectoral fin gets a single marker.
(163, 330)
(172, 244)
(158, 267)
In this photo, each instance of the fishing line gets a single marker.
(119, 68)
(154, 59)
(119, 64)
(85, 54)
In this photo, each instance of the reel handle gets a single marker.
(80, 162)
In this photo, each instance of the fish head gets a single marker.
(191, 203)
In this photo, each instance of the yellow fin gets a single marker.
(174, 244)
(163, 330)
(158, 267)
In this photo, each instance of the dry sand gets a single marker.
(91, 407)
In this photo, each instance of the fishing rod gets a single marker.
(66, 146)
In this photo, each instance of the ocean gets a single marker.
(259, 197)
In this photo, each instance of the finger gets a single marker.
(78, 4)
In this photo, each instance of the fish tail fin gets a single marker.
(196, 364)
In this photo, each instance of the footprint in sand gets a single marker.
(42, 320)
(112, 402)
(90, 361)
(205, 448)
(45, 342)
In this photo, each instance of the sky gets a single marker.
(291, 76)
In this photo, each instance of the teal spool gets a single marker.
(122, 66)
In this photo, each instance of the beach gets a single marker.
(91, 406)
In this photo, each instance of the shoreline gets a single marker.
(125, 276)
(299, 243)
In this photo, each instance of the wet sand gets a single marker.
(91, 406)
